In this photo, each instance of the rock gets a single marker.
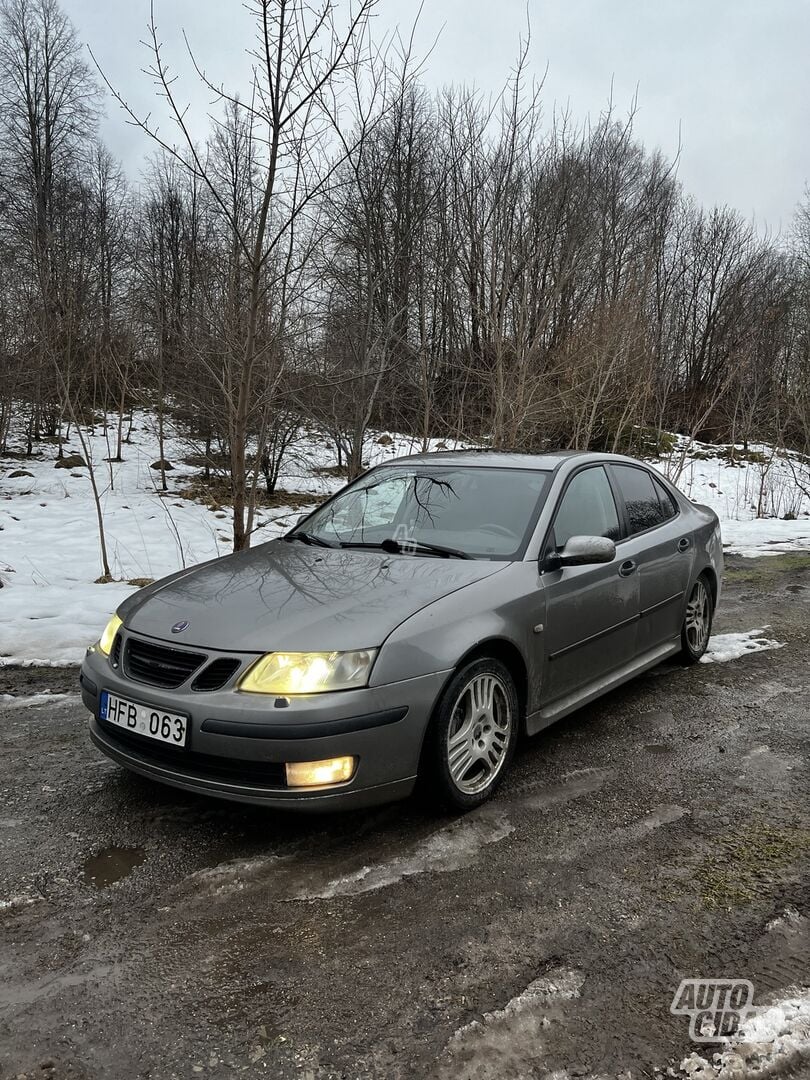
(161, 463)
(18, 472)
(71, 461)
(384, 440)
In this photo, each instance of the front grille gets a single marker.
(159, 665)
(216, 674)
(115, 653)
(264, 773)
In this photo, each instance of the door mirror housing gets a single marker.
(586, 551)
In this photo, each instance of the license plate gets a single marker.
(145, 720)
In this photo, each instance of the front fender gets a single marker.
(506, 606)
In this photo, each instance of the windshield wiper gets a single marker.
(411, 547)
(309, 538)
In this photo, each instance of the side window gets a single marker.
(668, 504)
(640, 497)
(587, 509)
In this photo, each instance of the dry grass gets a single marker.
(215, 493)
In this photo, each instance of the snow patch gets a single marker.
(288, 879)
(789, 922)
(765, 536)
(18, 902)
(231, 877)
(449, 849)
(770, 1041)
(10, 701)
(725, 647)
(760, 496)
(573, 785)
(509, 1041)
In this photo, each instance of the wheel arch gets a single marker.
(710, 574)
(499, 648)
(510, 655)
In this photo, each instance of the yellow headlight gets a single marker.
(309, 673)
(319, 773)
(105, 642)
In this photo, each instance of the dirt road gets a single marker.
(651, 837)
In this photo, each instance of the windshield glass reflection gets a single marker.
(473, 512)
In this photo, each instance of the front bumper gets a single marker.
(237, 743)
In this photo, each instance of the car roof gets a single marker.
(504, 459)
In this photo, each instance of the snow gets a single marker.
(725, 647)
(17, 902)
(558, 985)
(510, 1041)
(766, 536)
(789, 922)
(752, 498)
(11, 701)
(453, 847)
(448, 849)
(768, 1041)
(52, 606)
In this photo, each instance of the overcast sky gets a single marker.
(731, 78)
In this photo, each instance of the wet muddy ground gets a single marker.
(659, 834)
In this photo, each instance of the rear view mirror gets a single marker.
(587, 551)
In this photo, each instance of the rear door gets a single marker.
(660, 549)
(591, 611)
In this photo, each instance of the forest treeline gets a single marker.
(350, 249)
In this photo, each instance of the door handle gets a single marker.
(627, 568)
(684, 543)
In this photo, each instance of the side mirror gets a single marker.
(587, 551)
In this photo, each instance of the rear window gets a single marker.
(644, 508)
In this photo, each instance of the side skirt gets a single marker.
(571, 702)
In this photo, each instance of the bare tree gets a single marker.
(300, 58)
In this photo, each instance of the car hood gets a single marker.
(287, 596)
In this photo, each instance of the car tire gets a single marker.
(697, 622)
(472, 735)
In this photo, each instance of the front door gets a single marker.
(591, 611)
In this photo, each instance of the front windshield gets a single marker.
(481, 512)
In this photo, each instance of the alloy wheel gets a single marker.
(698, 615)
(479, 733)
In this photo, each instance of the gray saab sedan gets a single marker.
(412, 627)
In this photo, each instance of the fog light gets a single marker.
(320, 773)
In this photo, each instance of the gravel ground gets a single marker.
(650, 837)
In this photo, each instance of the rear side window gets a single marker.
(640, 497)
(587, 509)
(669, 507)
